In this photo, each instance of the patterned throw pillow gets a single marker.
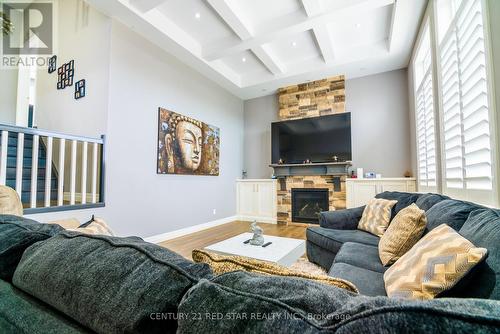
(435, 264)
(221, 264)
(376, 216)
(94, 227)
(405, 230)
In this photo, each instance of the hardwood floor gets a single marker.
(185, 245)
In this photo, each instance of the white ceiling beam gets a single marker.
(228, 14)
(283, 28)
(146, 5)
(321, 33)
(268, 59)
(394, 20)
(237, 24)
(325, 44)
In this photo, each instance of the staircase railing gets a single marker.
(34, 163)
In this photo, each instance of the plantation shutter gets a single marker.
(425, 122)
(465, 110)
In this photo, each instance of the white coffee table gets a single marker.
(283, 251)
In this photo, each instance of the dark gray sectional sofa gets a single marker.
(56, 281)
(346, 252)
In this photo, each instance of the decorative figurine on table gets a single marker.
(258, 238)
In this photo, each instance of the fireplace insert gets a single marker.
(308, 203)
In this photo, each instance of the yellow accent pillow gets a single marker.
(221, 264)
(376, 216)
(404, 231)
(435, 264)
(10, 204)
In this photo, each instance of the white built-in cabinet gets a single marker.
(256, 200)
(360, 191)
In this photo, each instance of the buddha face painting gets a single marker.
(186, 145)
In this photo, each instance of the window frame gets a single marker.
(480, 196)
(489, 197)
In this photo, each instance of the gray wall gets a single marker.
(87, 42)
(142, 77)
(259, 114)
(8, 96)
(139, 201)
(380, 126)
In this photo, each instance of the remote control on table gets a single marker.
(267, 244)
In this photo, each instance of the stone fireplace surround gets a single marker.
(311, 99)
(337, 199)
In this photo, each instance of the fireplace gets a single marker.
(308, 203)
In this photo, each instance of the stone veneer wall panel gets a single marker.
(312, 99)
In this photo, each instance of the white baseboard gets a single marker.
(188, 230)
(258, 219)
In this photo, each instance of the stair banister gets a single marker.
(32, 183)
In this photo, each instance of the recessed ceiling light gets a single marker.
(243, 59)
(294, 44)
(358, 25)
(197, 15)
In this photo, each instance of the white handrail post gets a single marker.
(3, 157)
(94, 173)
(84, 172)
(60, 182)
(48, 172)
(72, 188)
(19, 163)
(34, 170)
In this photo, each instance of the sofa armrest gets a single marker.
(347, 219)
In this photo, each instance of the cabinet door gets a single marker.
(394, 186)
(363, 193)
(247, 198)
(266, 200)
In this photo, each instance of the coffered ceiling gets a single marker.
(253, 47)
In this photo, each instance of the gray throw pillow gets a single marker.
(17, 234)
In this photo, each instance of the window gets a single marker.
(425, 121)
(465, 111)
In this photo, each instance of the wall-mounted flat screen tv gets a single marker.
(318, 139)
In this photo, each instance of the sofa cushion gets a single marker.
(435, 264)
(240, 302)
(482, 228)
(334, 239)
(368, 282)
(376, 216)
(10, 203)
(404, 232)
(360, 255)
(451, 212)
(253, 303)
(427, 201)
(22, 313)
(108, 284)
(17, 234)
(450, 316)
(404, 199)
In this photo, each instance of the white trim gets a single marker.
(188, 230)
(267, 220)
